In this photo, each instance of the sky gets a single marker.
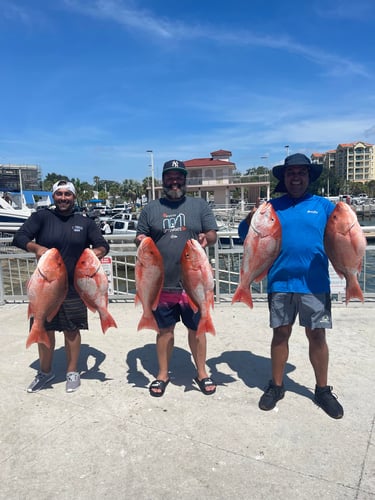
(89, 86)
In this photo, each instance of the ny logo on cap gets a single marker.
(175, 164)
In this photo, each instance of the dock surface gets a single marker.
(111, 439)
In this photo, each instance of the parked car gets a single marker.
(121, 207)
(125, 216)
(123, 227)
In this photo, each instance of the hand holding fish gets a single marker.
(46, 290)
(91, 283)
(149, 279)
(261, 247)
(345, 245)
(198, 282)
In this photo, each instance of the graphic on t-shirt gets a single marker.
(174, 222)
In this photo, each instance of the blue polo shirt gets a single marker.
(302, 264)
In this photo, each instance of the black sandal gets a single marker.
(205, 382)
(158, 384)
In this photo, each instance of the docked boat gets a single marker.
(369, 232)
(11, 218)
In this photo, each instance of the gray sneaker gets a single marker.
(73, 381)
(40, 381)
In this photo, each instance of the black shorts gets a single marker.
(174, 306)
(72, 315)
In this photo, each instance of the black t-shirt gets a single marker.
(70, 234)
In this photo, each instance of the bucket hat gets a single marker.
(175, 165)
(295, 160)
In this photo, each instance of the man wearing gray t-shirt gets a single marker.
(171, 221)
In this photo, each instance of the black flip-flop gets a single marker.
(205, 382)
(158, 384)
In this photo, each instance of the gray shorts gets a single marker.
(314, 310)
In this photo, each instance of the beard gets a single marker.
(174, 194)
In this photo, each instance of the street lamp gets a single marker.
(265, 157)
(152, 173)
(287, 149)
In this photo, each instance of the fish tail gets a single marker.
(107, 321)
(206, 325)
(353, 290)
(243, 295)
(147, 323)
(38, 335)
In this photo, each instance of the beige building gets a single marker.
(354, 162)
(215, 179)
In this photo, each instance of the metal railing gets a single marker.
(16, 268)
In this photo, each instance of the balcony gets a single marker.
(228, 181)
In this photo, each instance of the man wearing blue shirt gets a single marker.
(298, 281)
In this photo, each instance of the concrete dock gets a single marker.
(110, 439)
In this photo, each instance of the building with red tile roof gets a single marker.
(215, 179)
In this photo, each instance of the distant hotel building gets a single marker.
(354, 162)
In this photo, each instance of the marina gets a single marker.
(12, 218)
(17, 266)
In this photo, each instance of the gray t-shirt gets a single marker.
(170, 224)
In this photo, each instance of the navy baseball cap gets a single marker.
(176, 165)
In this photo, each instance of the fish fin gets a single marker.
(353, 290)
(53, 313)
(192, 304)
(147, 323)
(339, 273)
(156, 301)
(107, 321)
(38, 335)
(261, 276)
(206, 325)
(243, 295)
(212, 301)
(89, 306)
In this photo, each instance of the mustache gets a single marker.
(174, 193)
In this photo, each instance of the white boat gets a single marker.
(11, 218)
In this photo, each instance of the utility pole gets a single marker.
(152, 173)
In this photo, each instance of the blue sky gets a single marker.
(88, 86)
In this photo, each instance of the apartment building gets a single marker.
(354, 162)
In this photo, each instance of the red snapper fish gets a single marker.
(345, 245)
(260, 249)
(149, 279)
(46, 291)
(91, 283)
(198, 282)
